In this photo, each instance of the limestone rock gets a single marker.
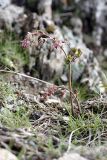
(4, 3)
(72, 156)
(77, 25)
(94, 14)
(6, 155)
(12, 17)
(50, 62)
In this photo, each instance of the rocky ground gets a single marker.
(35, 113)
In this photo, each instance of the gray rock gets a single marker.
(96, 11)
(97, 35)
(45, 7)
(77, 25)
(12, 15)
(42, 6)
(64, 78)
(105, 53)
(92, 153)
(6, 155)
(49, 62)
(4, 3)
(72, 156)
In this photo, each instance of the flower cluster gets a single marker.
(38, 37)
(27, 40)
(73, 54)
(41, 37)
(52, 91)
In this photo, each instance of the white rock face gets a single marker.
(10, 15)
(98, 10)
(4, 3)
(6, 155)
(72, 156)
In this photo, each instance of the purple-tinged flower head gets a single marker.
(57, 44)
(27, 41)
(38, 38)
(34, 38)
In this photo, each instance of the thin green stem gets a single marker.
(70, 88)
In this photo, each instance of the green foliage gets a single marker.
(6, 91)
(55, 150)
(84, 126)
(9, 117)
(83, 92)
(51, 150)
(12, 55)
(83, 123)
(17, 119)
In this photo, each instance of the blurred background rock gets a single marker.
(82, 22)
